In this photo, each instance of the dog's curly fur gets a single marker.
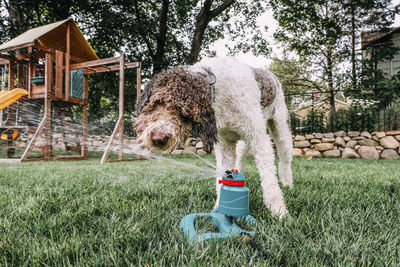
(186, 96)
(247, 102)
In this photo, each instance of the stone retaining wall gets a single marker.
(95, 142)
(383, 145)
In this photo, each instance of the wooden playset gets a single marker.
(52, 63)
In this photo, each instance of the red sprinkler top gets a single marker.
(232, 183)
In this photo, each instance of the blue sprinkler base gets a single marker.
(226, 226)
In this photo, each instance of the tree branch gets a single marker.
(6, 5)
(203, 18)
(218, 10)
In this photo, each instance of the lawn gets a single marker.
(343, 212)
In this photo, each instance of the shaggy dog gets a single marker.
(233, 115)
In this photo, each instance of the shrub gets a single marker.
(314, 122)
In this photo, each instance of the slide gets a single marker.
(9, 97)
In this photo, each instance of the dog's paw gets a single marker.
(280, 212)
(287, 182)
(285, 176)
(277, 207)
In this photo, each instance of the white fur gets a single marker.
(240, 116)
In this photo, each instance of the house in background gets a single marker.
(385, 38)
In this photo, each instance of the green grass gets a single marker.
(343, 212)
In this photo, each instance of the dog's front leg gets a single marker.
(225, 155)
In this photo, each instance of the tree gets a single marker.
(294, 76)
(203, 18)
(320, 30)
(157, 33)
(365, 16)
(313, 29)
(296, 79)
(175, 32)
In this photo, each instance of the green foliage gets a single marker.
(395, 104)
(319, 30)
(314, 122)
(294, 76)
(360, 116)
(321, 33)
(371, 75)
(389, 91)
(313, 29)
(240, 25)
(376, 86)
(137, 28)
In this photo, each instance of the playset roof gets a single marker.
(54, 36)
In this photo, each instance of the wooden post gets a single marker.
(47, 106)
(11, 79)
(105, 154)
(121, 105)
(84, 152)
(67, 60)
(38, 130)
(29, 75)
(11, 75)
(20, 72)
(138, 82)
(10, 149)
(138, 89)
(59, 74)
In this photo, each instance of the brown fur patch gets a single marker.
(266, 85)
(185, 94)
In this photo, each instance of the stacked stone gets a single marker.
(95, 142)
(192, 146)
(384, 145)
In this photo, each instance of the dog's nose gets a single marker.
(159, 139)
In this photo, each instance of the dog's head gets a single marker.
(172, 103)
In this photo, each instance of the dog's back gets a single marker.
(240, 87)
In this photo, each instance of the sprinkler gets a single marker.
(233, 204)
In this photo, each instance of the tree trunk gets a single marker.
(330, 89)
(15, 18)
(158, 58)
(201, 26)
(203, 18)
(353, 49)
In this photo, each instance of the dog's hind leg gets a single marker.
(278, 128)
(241, 151)
(260, 144)
(225, 155)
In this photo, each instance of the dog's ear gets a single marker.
(207, 128)
(197, 105)
(144, 98)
